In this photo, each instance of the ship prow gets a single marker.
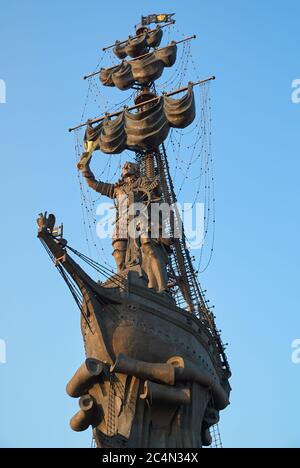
(156, 373)
(147, 345)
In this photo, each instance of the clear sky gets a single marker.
(253, 49)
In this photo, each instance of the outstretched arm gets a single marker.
(101, 187)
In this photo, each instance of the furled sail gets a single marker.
(142, 70)
(122, 76)
(136, 46)
(154, 37)
(145, 129)
(139, 45)
(148, 128)
(180, 112)
(109, 136)
(119, 50)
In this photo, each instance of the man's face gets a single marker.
(128, 169)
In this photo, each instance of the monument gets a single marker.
(156, 373)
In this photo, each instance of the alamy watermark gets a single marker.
(2, 352)
(296, 91)
(155, 220)
(296, 352)
(2, 92)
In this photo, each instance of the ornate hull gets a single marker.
(163, 385)
(153, 376)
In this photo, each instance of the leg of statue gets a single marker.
(152, 283)
(119, 253)
(156, 271)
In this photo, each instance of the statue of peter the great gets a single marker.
(134, 247)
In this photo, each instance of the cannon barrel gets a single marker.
(165, 394)
(88, 414)
(87, 374)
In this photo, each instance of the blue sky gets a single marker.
(253, 49)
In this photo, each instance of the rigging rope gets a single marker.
(194, 169)
(106, 272)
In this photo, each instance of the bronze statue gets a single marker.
(156, 373)
(130, 246)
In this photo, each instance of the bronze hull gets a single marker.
(149, 328)
(154, 376)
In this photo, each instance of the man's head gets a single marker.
(129, 169)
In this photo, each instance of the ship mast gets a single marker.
(140, 73)
(181, 266)
(155, 373)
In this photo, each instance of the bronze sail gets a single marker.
(156, 373)
(180, 112)
(143, 70)
(146, 129)
(138, 45)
